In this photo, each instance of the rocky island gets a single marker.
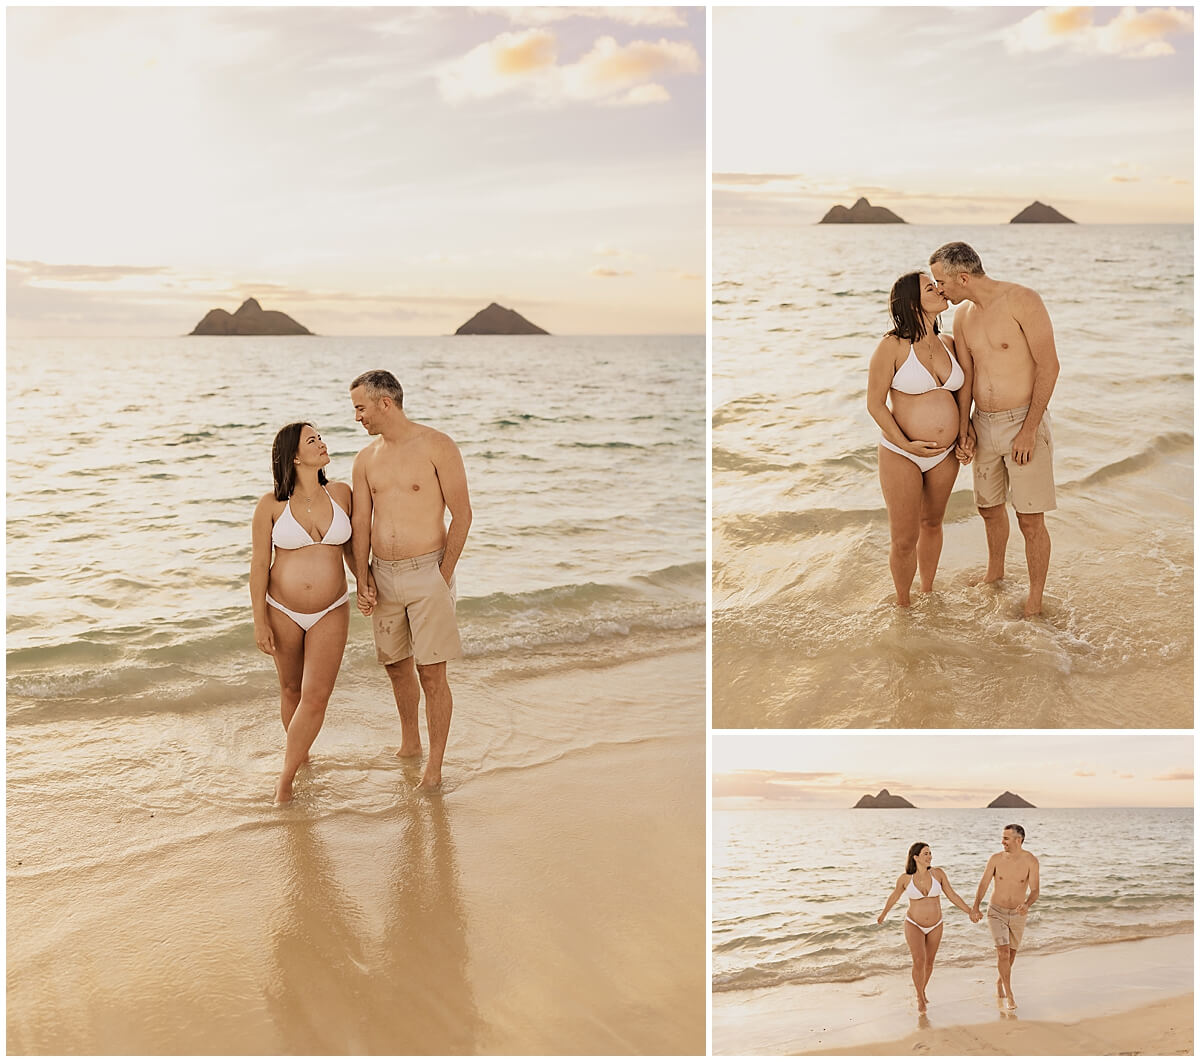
(1010, 800)
(1040, 213)
(862, 213)
(883, 799)
(495, 320)
(249, 320)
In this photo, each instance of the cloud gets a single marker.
(754, 178)
(1081, 772)
(1177, 774)
(1131, 34)
(1123, 774)
(527, 61)
(608, 252)
(601, 271)
(1117, 178)
(42, 272)
(630, 16)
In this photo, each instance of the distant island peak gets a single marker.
(1038, 213)
(1010, 800)
(250, 319)
(862, 213)
(883, 799)
(496, 320)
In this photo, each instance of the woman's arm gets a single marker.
(966, 438)
(891, 900)
(345, 498)
(879, 382)
(953, 896)
(260, 569)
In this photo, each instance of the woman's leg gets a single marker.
(932, 939)
(916, 945)
(289, 662)
(902, 486)
(935, 493)
(324, 644)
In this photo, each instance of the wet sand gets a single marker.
(1060, 998)
(553, 908)
(1163, 1028)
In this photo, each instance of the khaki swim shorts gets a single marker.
(998, 478)
(1007, 926)
(414, 611)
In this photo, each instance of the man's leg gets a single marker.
(1004, 966)
(407, 691)
(1037, 557)
(995, 525)
(439, 706)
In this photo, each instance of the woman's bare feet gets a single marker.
(283, 792)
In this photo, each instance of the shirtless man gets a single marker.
(404, 481)
(1015, 872)
(1005, 341)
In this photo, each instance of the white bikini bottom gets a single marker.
(924, 929)
(923, 463)
(308, 620)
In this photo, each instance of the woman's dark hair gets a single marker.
(283, 459)
(911, 866)
(904, 302)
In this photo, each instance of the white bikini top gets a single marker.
(288, 534)
(914, 379)
(913, 893)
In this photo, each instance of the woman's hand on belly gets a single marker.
(931, 418)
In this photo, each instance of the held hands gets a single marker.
(367, 596)
(1022, 448)
(976, 915)
(965, 450)
(264, 638)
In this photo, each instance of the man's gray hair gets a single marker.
(379, 382)
(958, 257)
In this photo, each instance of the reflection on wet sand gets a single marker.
(349, 976)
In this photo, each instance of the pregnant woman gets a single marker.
(300, 601)
(930, 409)
(923, 885)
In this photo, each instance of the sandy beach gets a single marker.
(545, 908)
(1133, 996)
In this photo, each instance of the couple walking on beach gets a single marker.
(389, 529)
(921, 385)
(1015, 875)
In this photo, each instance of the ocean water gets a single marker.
(134, 466)
(795, 893)
(804, 630)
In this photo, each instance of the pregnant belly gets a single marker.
(307, 579)
(931, 417)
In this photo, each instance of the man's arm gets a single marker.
(984, 882)
(452, 476)
(360, 535)
(1034, 886)
(1030, 313)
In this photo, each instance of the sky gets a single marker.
(953, 114)
(370, 171)
(1074, 770)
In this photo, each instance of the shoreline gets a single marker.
(878, 1013)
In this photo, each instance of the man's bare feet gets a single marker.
(1032, 608)
(405, 753)
(1000, 988)
(987, 577)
